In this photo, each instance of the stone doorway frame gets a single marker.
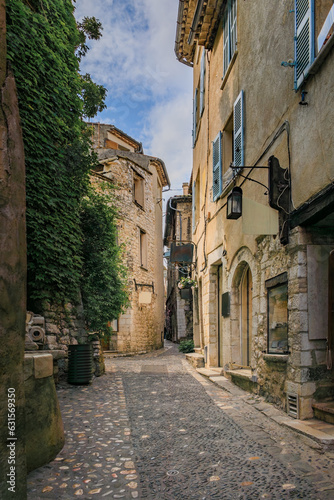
(242, 260)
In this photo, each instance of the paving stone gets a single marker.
(154, 428)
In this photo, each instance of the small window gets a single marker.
(217, 166)
(228, 149)
(196, 193)
(113, 325)
(196, 114)
(277, 290)
(202, 83)
(230, 33)
(138, 190)
(143, 249)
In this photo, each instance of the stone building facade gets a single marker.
(263, 97)
(179, 309)
(139, 181)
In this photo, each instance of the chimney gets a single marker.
(185, 187)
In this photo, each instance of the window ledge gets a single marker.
(228, 71)
(228, 182)
(324, 51)
(276, 358)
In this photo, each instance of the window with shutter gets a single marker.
(226, 53)
(193, 199)
(233, 23)
(304, 39)
(202, 83)
(230, 33)
(238, 130)
(217, 166)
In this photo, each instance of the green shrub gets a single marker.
(186, 346)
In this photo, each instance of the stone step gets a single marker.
(210, 372)
(324, 411)
(243, 378)
(196, 360)
(198, 350)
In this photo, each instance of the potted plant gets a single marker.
(187, 283)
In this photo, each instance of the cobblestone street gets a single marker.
(154, 428)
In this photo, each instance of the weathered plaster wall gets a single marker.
(301, 138)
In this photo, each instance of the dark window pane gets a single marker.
(278, 320)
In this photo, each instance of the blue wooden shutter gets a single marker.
(217, 166)
(226, 50)
(193, 199)
(233, 24)
(304, 39)
(202, 84)
(194, 117)
(238, 130)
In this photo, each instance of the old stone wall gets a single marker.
(140, 328)
(64, 326)
(302, 372)
(179, 311)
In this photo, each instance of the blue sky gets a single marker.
(149, 91)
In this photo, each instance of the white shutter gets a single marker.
(304, 39)
(217, 166)
(193, 199)
(238, 130)
(194, 117)
(202, 83)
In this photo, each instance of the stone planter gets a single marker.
(186, 293)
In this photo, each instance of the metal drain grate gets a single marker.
(293, 405)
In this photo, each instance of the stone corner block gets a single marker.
(43, 365)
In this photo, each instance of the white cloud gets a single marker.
(148, 89)
(168, 133)
(137, 46)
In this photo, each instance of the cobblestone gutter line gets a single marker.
(97, 459)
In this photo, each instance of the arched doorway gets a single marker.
(245, 301)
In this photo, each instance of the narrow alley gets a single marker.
(154, 428)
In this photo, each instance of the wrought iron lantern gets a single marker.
(234, 203)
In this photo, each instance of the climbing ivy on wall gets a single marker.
(45, 45)
(104, 278)
(42, 38)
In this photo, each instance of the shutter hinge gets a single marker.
(288, 64)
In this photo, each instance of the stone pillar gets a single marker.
(12, 281)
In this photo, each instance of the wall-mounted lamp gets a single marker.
(278, 190)
(234, 203)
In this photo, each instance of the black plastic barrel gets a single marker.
(80, 364)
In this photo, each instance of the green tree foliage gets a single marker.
(43, 44)
(93, 96)
(104, 288)
(89, 28)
